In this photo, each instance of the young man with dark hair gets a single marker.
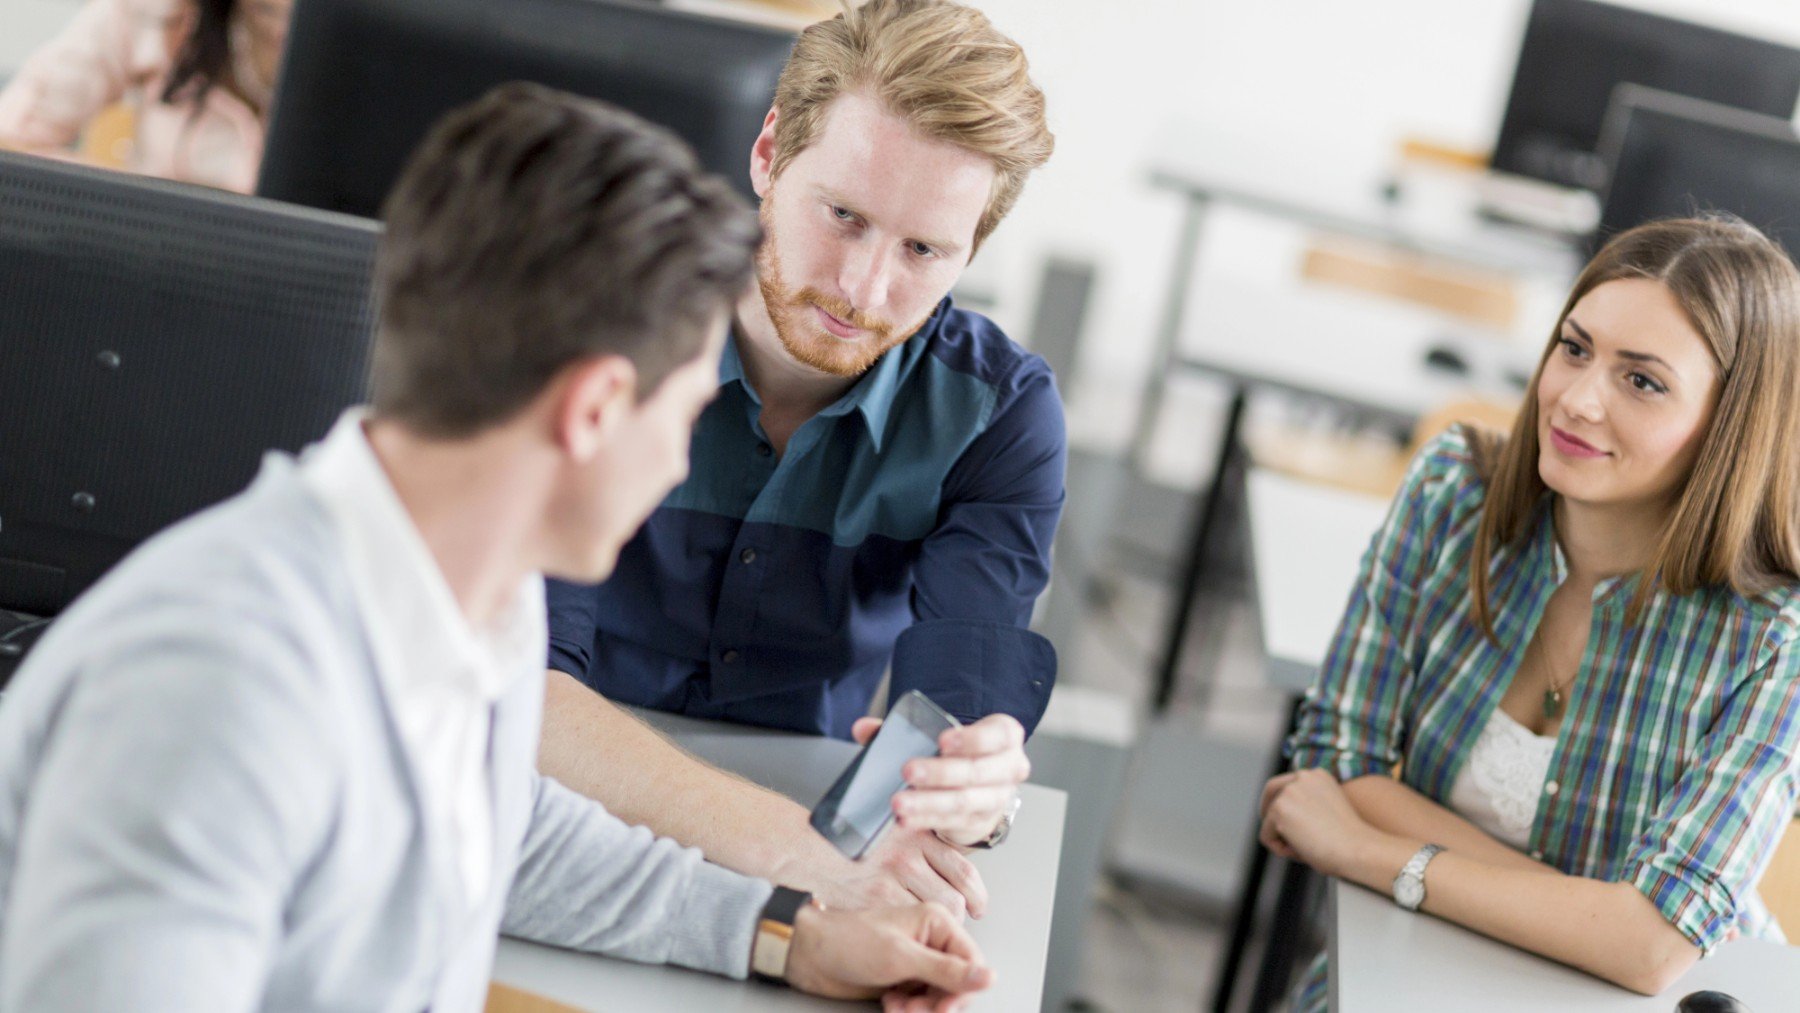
(875, 487)
(283, 757)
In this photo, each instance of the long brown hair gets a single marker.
(204, 58)
(1735, 521)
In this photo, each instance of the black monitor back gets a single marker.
(1670, 155)
(363, 79)
(1576, 51)
(155, 340)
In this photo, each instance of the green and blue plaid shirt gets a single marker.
(1675, 767)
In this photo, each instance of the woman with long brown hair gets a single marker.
(1563, 705)
(197, 75)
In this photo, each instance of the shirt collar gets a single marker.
(872, 396)
(400, 587)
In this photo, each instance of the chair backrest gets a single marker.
(1780, 886)
(109, 136)
(506, 999)
(1479, 412)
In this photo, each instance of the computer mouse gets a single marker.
(1447, 359)
(1710, 1002)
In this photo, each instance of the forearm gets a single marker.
(602, 751)
(587, 881)
(1609, 930)
(1393, 807)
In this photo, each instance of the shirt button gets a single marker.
(764, 450)
(1550, 787)
(730, 657)
(1537, 856)
(747, 556)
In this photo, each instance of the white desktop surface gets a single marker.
(1293, 183)
(1352, 348)
(1306, 542)
(1015, 935)
(1386, 960)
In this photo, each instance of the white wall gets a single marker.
(1332, 83)
(1329, 84)
(25, 24)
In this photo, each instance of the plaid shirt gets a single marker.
(1675, 767)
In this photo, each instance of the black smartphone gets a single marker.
(860, 803)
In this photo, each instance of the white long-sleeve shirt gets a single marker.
(208, 799)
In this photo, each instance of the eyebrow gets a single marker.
(943, 246)
(1622, 353)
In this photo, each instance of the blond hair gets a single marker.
(940, 66)
(1735, 523)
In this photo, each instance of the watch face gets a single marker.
(1409, 891)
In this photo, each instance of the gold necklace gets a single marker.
(1553, 697)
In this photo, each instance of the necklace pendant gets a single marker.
(1552, 703)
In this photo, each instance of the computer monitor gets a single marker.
(1670, 155)
(363, 79)
(1576, 51)
(155, 339)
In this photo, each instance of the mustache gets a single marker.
(843, 311)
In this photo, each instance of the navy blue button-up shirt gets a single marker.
(908, 523)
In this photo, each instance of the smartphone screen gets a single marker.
(858, 806)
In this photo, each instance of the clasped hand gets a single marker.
(917, 958)
(1307, 816)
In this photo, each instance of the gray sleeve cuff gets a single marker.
(716, 922)
(588, 881)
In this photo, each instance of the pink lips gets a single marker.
(837, 327)
(1572, 447)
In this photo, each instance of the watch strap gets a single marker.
(1002, 828)
(1414, 870)
(775, 933)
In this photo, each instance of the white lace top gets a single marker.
(1499, 786)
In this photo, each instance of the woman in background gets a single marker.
(197, 76)
(1576, 644)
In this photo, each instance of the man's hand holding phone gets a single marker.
(949, 785)
(962, 793)
(929, 869)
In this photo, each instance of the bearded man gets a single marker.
(874, 488)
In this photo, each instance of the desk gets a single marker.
(1306, 543)
(1015, 935)
(1364, 364)
(1385, 959)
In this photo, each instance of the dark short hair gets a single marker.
(533, 229)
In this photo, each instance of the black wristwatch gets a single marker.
(775, 933)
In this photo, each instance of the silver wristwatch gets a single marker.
(1409, 886)
(1002, 828)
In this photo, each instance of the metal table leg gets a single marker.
(1243, 922)
(1291, 911)
(1201, 535)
